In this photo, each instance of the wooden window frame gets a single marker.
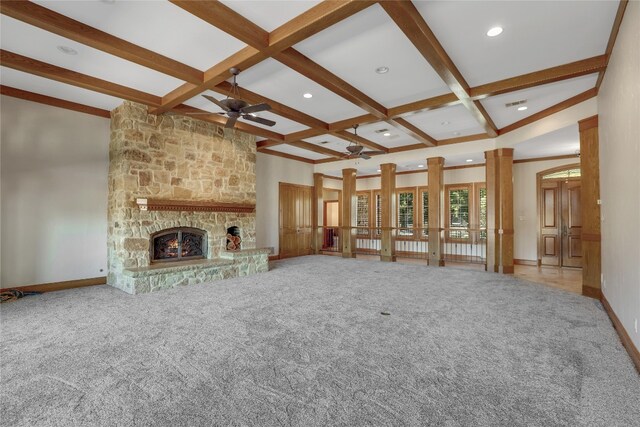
(474, 208)
(414, 191)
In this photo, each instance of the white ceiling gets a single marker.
(560, 142)
(289, 149)
(537, 35)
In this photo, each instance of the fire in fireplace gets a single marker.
(177, 244)
(233, 238)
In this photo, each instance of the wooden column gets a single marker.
(499, 179)
(590, 199)
(388, 212)
(317, 212)
(349, 211)
(436, 209)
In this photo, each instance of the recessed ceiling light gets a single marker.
(253, 114)
(469, 160)
(387, 134)
(456, 133)
(382, 70)
(420, 166)
(495, 31)
(68, 50)
(379, 170)
(308, 95)
(445, 123)
(524, 107)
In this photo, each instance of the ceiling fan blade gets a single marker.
(259, 120)
(255, 108)
(231, 122)
(215, 101)
(372, 153)
(355, 149)
(364, 156)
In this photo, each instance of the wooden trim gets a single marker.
(54, 102)
(413, 131)
(590, 292)
(542, 159)
(64, 26)
(622, 333)
(591, 237)
(409, 20)
(286, 156)
(60, 286)
(42, 69)
(542, 77)
(434, 103)
(530, 262)
(274, 257)
(460, 139)
(588, 94)
(622, 6)
(193, 206)
(348, 136)
(588, 123)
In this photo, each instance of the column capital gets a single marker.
(498, 152)
(435, 161)
(588, 123)
(387, 165)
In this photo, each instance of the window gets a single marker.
(570, 173)
(362, 214)
(378, 197)
(425, 212)
(482, 214)
(406, 210)
(458, 212)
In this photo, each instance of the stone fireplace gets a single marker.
(176, 185)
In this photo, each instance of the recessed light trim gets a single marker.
(522, 108)
(307, 95)
(386, 134)
(382, 70)
(456, 133)
(379, 170)
(67, 50)
(495, 31)
(420, 166)
(469, 160)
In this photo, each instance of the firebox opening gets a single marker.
(233, 238)
(178, 244)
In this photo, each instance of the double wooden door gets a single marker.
(560, 223)
(296, 221)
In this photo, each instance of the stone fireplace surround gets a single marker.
(186, 162)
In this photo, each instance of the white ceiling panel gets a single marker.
(269, 15)
(445, 123)
(396, 139)
(26, 40)
(354, 48)
(29, 82)
(557, 143)
(275, 81)
(332, 142)
(282, 125)
(537, 34)
(192, 41)
(538, 99)
(296, 151)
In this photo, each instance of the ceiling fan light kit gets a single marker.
(355, 150)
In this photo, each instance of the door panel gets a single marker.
(571, 225)
(549, 230)
(295, 220)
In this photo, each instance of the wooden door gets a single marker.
(550, 227)
(295, 220)
(571, 224)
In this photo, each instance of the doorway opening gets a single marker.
(560, 220)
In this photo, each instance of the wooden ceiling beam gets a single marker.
(53, 72)
(311, 22)
(413, 131)
(409, 20)
(542, 77)
(286, 156)
(348, 136)
(51, 21)
(55, 102)
(434, 103)
(622, 6)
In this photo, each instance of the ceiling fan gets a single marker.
(235, 108)
(355, 151)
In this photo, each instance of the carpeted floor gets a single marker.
(306, 345)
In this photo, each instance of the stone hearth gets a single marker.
(179, 159)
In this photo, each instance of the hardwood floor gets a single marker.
(568, 279)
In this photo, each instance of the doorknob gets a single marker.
(564, 230)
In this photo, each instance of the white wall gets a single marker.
(270, 171)
(525, 206)
(54, 194)
(619, 129)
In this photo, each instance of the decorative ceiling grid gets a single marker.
(443, 85)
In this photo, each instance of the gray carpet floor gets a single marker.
(306, 345)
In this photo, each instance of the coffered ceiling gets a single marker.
(446, 80)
